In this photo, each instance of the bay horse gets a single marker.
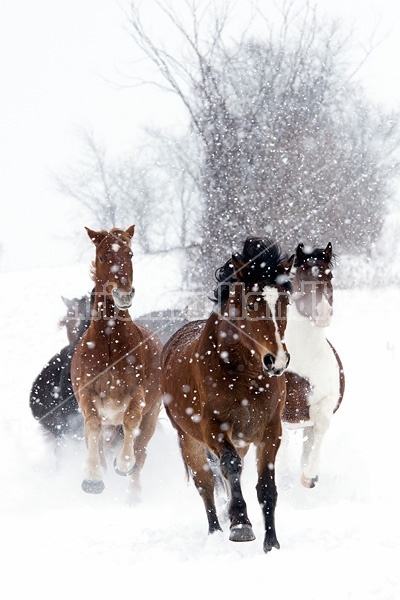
(224, 387)
(52, 401)
(115, 369)
(315, 378)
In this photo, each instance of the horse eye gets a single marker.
(101, 259)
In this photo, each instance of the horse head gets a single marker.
(312, 291)
(112, 266)
(78, 314)
(254, 313)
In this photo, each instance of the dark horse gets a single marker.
(52, 400)
(78, 312)
(315, 378)
(224, 387)
(115, 369)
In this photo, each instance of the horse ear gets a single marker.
(238, 265)
(300, 254)
(328, 252)
(286, 266)
(96, 236)
(130, 231)
(66, 301)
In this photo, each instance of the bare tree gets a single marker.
(148, 187)
(287, 141)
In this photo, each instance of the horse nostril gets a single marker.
(288, 360)
(269, 360)
(132, 292)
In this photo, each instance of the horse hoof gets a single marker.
(124, 473)
(269, 544)
(242, 533)
(213, 528)
(92, 486)
(309, 482)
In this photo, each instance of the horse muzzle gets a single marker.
(274, 366)
(322, 314)
(322, 321)
(123, 299)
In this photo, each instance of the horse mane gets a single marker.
(261, 257)
(315, 255)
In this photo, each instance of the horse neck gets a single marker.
(300, 326)
(212, 339)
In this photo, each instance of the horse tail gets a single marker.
(342, 380)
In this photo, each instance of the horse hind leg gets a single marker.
(195, 459)
(125, 462)
(221, 492)
(283, 458)
(147, 429)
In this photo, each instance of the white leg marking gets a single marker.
(321, 416)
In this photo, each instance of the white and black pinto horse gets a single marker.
(315, 378)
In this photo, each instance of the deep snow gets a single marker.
(338, 541)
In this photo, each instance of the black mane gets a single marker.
(261, 257)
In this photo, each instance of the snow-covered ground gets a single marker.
(338, 541)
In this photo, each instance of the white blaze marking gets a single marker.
(323, 312)
(271, 296)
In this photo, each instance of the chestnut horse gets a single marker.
(52, 400)
(223, 384)
(115, 370)
(315, 378)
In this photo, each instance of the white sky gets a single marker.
(55, 59)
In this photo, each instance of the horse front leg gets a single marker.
(321, 414)
(125, 463)
(231, 468)
(93, 482)
(266, 488)
(308, 444)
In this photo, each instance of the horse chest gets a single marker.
(247, 422)
(311, 356)
(247, 406)
(109, 356)
(112, 409)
